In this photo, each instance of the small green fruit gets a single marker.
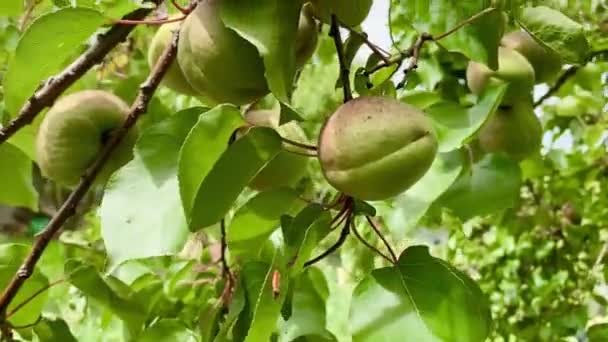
(74, 131)
(307, 36)
(512, 68)
(350, 12)
(174, 77)
(287, 168)
(514, 130)
(570, 106)
(374, 148)
(545, 62)
(217, 62)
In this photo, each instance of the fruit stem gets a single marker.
(184, 10)
(334, 32)
(149, 22)
(388, 246)
(369, 245)
(299, 144)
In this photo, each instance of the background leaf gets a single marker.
(16, 181)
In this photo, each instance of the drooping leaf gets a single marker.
(490, 185)
(411, 206)
(478, 40)
(168, 330)
(59, 34)
(10, 8)
(255, 221)
(16, 178)
(141, 202)
(203, 146)
(270, 25)
(556, 31)
(48, 330)
(423, 296)
(456, 124)
(598, 332)
(11, 257)
(232, 172)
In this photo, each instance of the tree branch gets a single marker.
(46, 95)
(334, 32)
(139, 106)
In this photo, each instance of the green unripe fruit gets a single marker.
(74, 131)
(374, 148)
(350, 12)
(174, 77)
(570, 106)
(515, 131)
(545, 62)
(287, 168)
(307, 37)
(512, 68)
(217, 62)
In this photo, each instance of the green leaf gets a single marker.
(557, 32)
(270, 25)
(423, 296)
(232, 173)
(87, 279)
(411, 206)
(455, 124)
(308, 314)
(597, 332)
(234, 311)
(478, 40)
(203, 146)
(490, 185)
(363, 208)
(11, 257)
(9, 8)
(47, 44)
(167, 330)
(303, 234)
(16, 181)
(142, 202)
(255, 221)
(48, 330)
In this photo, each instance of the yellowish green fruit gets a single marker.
(217, 62)
(74, 131)
(545, 62)
(374, 148)
(174, 77)
(514, 130)
(570, 106)
(307, 36)
(350, 12)
(512, 68)
(287, 168)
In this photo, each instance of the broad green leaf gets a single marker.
(11, 257)
(231, 174)
(423, 297)
(478, 40)
(598, 332)
(303, 235)
(10, 8)
(455, 124)
(255, 221)
(410, 207)
(89, 281)
(421, 98)
(308, 314)
(48, 330)
(141, 202)
(490, 185)
(557, 32)
(270, 25)
(59, 35)
(167, 330)
(203, 146)
(16, 180)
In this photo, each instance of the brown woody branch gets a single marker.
(139, 106)
(334, 32)
(53, 87)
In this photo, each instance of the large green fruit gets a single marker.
(571, 106)
(514, 130)
(218, 63)
(307, 36)
(74, 131)
(174, 78)
(512, 68)
(350, 12)
(287, 168)
(373, 148)
(545, 62)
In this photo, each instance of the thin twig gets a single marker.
(375, 48)
(184, 10)
(28, 325)
(224, 245)
(139, 106)
(369, 245)
(388, 246)
(27, 15)
(334, 32)
(343, 234)
(304, 154)
(299, 144)
(464, 23)
(561, 80)
(46, 95)
(32, 296)
(149, 22)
